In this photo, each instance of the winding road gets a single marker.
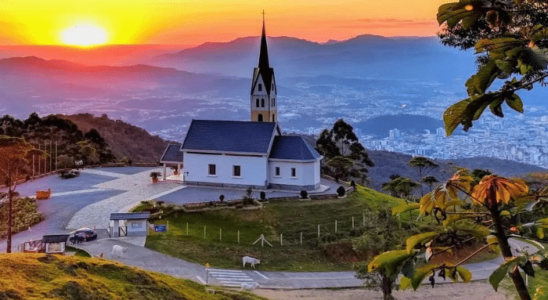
(88, 200)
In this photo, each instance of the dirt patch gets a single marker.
(454, 291)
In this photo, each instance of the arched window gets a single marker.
(273, 118)
(260, 118)
(273, 102)
(260, 87)
(262, 102)
(257, 102)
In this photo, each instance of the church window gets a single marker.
(257, 102)
(273, 118)
(236, 171)
(273, 102)
(260, 118)
(293, 172)
(277, 171)
(262, 102)
(212, 170)
(260, 87)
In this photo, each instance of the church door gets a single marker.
(260, 118)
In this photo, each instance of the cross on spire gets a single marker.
(263, 54)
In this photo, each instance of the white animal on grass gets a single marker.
(118, 251)
(251, 260)
(249, 286)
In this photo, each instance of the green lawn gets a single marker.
(289, 218)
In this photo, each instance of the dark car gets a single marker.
(83, 235)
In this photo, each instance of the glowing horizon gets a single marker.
(192, 22)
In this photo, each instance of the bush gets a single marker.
(155, 174)
(304, 194)
(341, 191)
(328, 238)
(238, 206)
(263, 195)
(353, 184)
(221, 198)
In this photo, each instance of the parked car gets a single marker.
(83, 234)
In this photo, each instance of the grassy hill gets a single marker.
(39, 276)
(221, 249)
(124, 139)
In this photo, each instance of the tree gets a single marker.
(400, 186)
(340, 166)
(478, 174)
(13, 158)
(387, 233)
(511, 43)
(342, 142)
(498, 201)
(430, 181)
(65, 162)
(422, 165)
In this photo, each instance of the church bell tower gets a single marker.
(264, 106)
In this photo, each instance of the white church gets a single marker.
(247, 153)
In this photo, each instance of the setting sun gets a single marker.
(84, 36)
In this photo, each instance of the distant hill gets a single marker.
(380, 126)
(39, 276)
(362, 56)
(388, 163)
(124, 139)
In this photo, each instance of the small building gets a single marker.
(55, 243)
(129, 224)
(172, 156)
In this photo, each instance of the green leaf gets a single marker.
(496, 277)
(505, 66)
(478, 231)
(408, 269)
(464, 274)
(515, 103)
(389, 261)
(540, 233)
(419, 239)
(405, 208)
(466, 111)
(478, 83)
(420, 274)
(405, 283)
(496, 108)
(505, 213)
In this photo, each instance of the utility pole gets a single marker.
(55, 155)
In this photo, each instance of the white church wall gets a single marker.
(307, 175)
(253, 170)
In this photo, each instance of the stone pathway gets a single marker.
(138, 187)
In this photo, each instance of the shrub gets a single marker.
(328, 238)
(353, 184)
(341, 191)
(238, 206)
(221, 198)
(304, 194)
(263, 195)
(155, 174)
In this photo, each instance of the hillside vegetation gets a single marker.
(125, 140)
(333, 251)
(39, 276)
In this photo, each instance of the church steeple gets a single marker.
(263, 87)
(263, 54)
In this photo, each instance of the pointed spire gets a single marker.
(263, 55)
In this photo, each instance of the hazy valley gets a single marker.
(364, 80)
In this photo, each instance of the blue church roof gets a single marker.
(229, 136)
(172, 154)
(293, 148)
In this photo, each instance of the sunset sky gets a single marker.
(191, 22)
